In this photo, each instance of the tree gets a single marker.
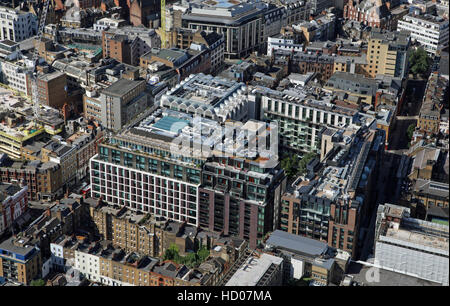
(172, 253)
(37, 282)
(203, 253)
(292, 166)
(419, 61)
(410, 131)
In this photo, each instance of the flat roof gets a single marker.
(121, 87)
(297, 243)
(251, 272)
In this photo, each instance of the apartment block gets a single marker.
(44, 180)
(388, 54)
(19, 261)
(301, 120)
(330, 203)
(372, 13)
(432, 104)
(59, 152)
(137, 168)
(13, 203)
(14, 68)
(129, 231)
(411, 246)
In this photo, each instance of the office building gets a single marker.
(17, 25)
(430, 31)
(121, 102)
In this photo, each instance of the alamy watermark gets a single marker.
(256, 140)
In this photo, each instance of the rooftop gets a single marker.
(122, 87)
(296, 243)
(253, 270)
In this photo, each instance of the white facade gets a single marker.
(57, 256)
(431, 32)
(275, 43)
(108, 23)
(88, 265)
(16, 25)
(148, 191)
(14, 74)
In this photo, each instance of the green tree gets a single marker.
(419, 61)
(37, 282)
(172, 253)
(410, 131)
(304, 161)
(203, 253)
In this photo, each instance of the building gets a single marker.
(121, 102)
(127, 44)
(239, 197)
(307, 258)
(259, 270)
(108, 23)
(13, 203)
(141, 9)
(169, 178)
(318, 6)
(330, 204)
(174, 65)
(283, 42)
(245, 25)
(388, 54)
(430, 31)
(129, 231)
(86, 143)
(362, 89)
(373, 13)
(15, 69)
(19, 261)
(436, 93)
(52, 89)
(59, 152)
(301, 119)
(17, 25)
(321, 28)
(43, 180)
(428, 194)
(210, 97)
(411, 246)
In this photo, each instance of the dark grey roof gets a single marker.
(8, 245)
(121, 87)
(296, 243)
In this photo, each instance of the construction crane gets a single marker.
(163, 23)
(35, 59)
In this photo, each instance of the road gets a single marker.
(384, 195)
